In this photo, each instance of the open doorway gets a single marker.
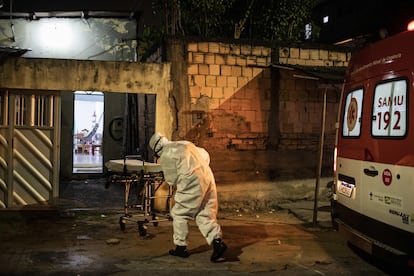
(88, 132)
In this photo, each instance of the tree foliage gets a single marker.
(254, 19)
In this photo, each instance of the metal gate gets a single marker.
(29, 148)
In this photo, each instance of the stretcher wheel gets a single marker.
(155, 218)
(122, 223)
(142, 229)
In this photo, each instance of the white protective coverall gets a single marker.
(186, 166)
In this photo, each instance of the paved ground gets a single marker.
(83, 237)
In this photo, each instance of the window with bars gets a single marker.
(33, 110)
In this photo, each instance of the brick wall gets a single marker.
(229, 87)
(313, 57)
(242, 106)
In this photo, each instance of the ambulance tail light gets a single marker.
(334, 159)
(410, 26)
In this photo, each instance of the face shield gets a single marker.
(156, 143)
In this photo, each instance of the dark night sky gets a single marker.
(348, 18)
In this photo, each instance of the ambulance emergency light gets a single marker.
(410, 26)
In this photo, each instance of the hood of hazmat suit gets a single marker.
(157, 143)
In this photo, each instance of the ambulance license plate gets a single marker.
(346, 189)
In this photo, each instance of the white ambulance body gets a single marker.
(373, 200)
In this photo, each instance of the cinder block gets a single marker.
(266, 105)
(217, 92)
(192, 69)
(314, 54)
(203, 47)
(221, 81)
(195, 91)
(256, 127)
(339, 64)
(206, 91)
(261, 61)
(307, 128)
(225, 70)
(297, 128)
(240, 93)
(237, 141)
(284, 52)
(304, 53)
(287, 127)
(219, 59)
(211, 81)
(235, 49)
(289, 107)
(251, 61)
(246, 50)
(228, 92)
(214, 69)
(214, 103)
(230, 60)
(328, 63)
(198, 58)
(314, 62)
(301, 61)
(247, 72)
(232, 81)
(293, 117)
(249, 115)
(290, 85)
(192, 47)
(293, 61)
(257, 71)
(236, 71)
(333, 55)
(265, 84)
(214, 47)
(342, 56)
(323, 54)
(209, 58)
(242, 61)
(267, 73)
(200, 80)
(257, 51)
(203, 69)
(266, 51)
(294, 52)
(224, 48)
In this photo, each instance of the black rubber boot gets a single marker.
(180, 251)
(218, 249)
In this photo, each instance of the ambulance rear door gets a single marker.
(387, 172)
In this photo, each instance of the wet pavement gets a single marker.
(82, 236)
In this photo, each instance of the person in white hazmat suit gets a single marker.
(186, 166)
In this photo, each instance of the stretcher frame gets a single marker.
(146, 185)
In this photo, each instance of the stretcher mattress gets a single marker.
(132, 166)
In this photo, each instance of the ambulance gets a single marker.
(373, 185)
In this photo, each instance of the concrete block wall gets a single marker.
(229, 87)
(242, 108)
(313, 57)
(301, 98)
(301, 104)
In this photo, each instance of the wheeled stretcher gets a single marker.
(154, 197)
